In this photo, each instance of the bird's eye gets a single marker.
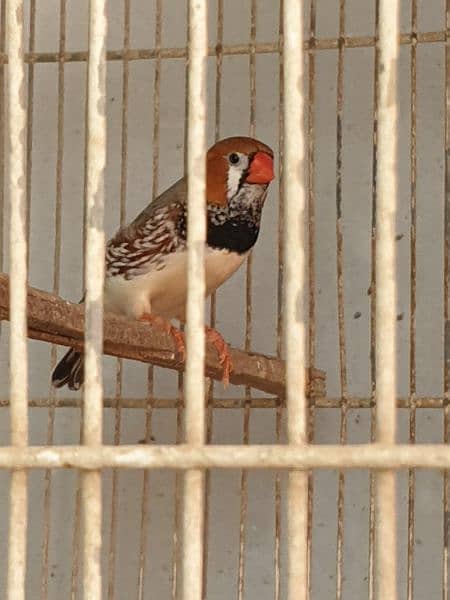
(234, 158)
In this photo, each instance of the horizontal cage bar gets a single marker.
(428, 37)
(183, 456)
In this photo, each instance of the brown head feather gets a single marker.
(217, 164)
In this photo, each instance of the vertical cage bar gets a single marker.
(94, 272)
(280, 401)
(145, 510)
(179, 477)
(30, 116)
(294, 288)
(3, 70)
(385, 540)
(76, 531)
(412, 300)
(311, 257)
(340, 296)
(248, 322)
(111, 593)
(195, 341)
(74, 584)
(446, 315)
(16, 119)
(56, 282)
(213, 305)
(373, 294)
(177, 496)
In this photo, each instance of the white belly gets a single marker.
(163, 292)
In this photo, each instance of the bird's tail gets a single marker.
(69, 370)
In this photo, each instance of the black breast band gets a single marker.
(234, 235)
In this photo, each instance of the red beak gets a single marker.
(261, 169)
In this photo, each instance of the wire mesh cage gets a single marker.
(155, 484)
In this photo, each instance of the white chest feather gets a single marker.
(163, 291)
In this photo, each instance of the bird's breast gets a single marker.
(163, 290)
(220, 264)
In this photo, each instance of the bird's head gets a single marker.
(234, 164)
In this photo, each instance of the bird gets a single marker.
(145, 270)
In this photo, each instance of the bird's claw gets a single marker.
(175, 334)
(178, 339)
(211, 335)
(223, 352)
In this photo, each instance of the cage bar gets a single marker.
(94, 270)
(373, 292)
(446, 311)
(412, 300)
(3, 100)
(280, 299)
(311, 256)
(150, 400)
(248, 323)
(18, 355)
(56, 283)
(30, 116)
(331, 43)
(180, 404)
(354, 402)
(258, 456)
(213, 303)
(119, 362)
(340, 295)
(294, 289)
(192, 557)
(385, 557)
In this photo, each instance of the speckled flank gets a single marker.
(157, 237)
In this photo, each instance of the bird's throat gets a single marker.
(235, 235)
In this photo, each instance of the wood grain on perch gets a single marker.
(52, 319)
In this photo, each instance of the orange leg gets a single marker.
(166, 326)
(214, 337)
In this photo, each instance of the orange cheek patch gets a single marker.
(216, 181)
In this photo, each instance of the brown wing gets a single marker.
(156, 232)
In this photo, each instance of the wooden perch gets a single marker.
(52, 319)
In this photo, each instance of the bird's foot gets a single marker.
(214, 337)
(176, 334)
(211, 336)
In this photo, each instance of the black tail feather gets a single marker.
(69, 371)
